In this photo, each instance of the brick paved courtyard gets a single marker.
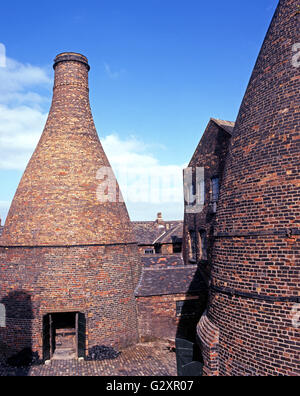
(151, 359)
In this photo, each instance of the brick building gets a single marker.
(199, 224)
(170, 298)
(68, 253)
(159, 236)
(166, 285)
(251, 259)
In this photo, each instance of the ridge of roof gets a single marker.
(228, 126)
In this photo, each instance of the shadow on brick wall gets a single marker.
(192, 310)
(16, 337)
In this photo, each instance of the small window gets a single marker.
(149, 251)
(2, 316)
(203, 245)
(215, 187)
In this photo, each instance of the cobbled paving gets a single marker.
(151, 359)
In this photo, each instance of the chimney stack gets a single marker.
(73, 238)
(61, 199)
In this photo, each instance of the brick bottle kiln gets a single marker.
(68, 257)
(251, 326)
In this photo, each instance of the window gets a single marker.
(2, 316)
(215, 187)
(203, 245)
(192, 245)
(149, 251)
(157, 249)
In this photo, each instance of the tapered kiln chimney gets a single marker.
(67, 240)
(252, 323)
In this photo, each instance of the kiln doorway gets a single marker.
(64, 336)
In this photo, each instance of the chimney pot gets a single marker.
(71, 56)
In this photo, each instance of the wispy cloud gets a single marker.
(112, 74)
(21, 83)
(21, 115)
(20, 130)
(146, 184)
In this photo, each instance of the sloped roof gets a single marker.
(162, 261)
(228, 126)
(172, 235)
(169, 281)
(149, 232)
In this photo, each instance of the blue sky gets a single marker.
(159, 70)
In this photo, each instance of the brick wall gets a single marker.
(158, 318)
(255, 263)
(210, 154)
(94, 280)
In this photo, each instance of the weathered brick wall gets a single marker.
(158, 320)
(255, 271)
(211, 155)
(256, 337)
(167, 249)
(94, 280)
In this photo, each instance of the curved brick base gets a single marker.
(256, 337)
(97, 281)
(208, 334)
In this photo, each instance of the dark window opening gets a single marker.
(177, 247)
(215, 188)
(149, 251)
(157, 249)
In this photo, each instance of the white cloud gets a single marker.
(147, 185)
(20, 130)
(143, 180)
(21, 116)
(17, 79)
